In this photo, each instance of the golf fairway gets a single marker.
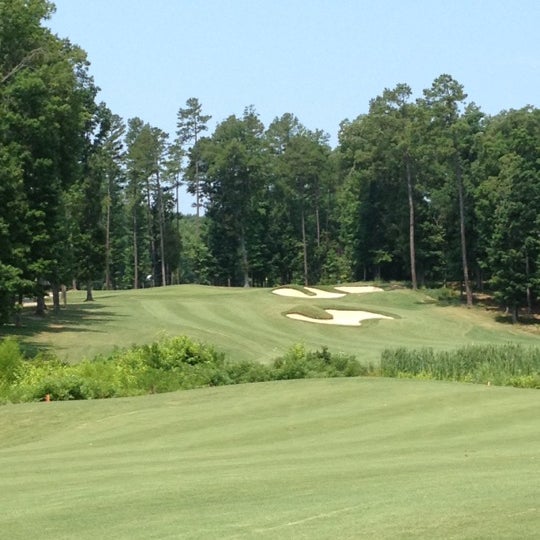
(340, 458)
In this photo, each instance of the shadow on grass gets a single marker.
(73, 318)
(524, 320)
(81, 317)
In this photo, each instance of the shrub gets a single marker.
(60, 388)
(300, 364)
(248, 372)
(11, 361)
(293, 365)
(164, 366)
(98, 379)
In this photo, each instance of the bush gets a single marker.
(293, 365)
(60, 388)
(248, 372)
(11, 361)
(300, 364)
(164, 366)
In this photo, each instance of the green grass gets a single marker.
(309, 310)
(349, 458)
(249, 324)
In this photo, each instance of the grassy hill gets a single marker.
(250, 323)
(353, 458)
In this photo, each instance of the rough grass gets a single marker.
(249, 324)
(356, 458)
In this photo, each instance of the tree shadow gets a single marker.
(72, 318)
(523, 320)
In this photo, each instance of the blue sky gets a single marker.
(321, 60)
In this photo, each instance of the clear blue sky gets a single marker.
(321, 60)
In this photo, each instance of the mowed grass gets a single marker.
(249, 324)
(348, 459)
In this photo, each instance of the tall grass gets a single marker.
(506, 365)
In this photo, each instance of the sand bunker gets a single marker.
(340, 317)
(316, 293)
(359, 289)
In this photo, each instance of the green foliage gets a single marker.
(180, 363)
(248, 372)
(505, 365)
(170, 364)
(508, 198)
(11, 361)
(301, 364)
(46, 101)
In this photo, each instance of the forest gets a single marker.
(423, 188)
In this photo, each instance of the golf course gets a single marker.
(361, 457)
(251, 323)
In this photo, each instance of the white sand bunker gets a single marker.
(340, 317)
(353, 289)
(316, 293)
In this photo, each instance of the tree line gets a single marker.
(425, 189)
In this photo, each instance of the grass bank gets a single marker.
(367, 458)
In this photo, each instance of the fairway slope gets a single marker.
(357, 458)
(250, 324)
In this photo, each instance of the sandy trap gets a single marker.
(316, 293)
(354, 289)
(340, 317)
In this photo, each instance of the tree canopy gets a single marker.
(427, 189)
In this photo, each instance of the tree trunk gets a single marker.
(412, 249)
(243, 254)
(89, 295)
(108, 240)
(135, 253)
(18, 312)
(466, 280)
(514, 313)
(177, 185)
(317, 219)
(56, 297)
(161, 232)
(40, 305)
(304, 245)
(64, 295)
(150, 231)
(529, 294)
(197, 191)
